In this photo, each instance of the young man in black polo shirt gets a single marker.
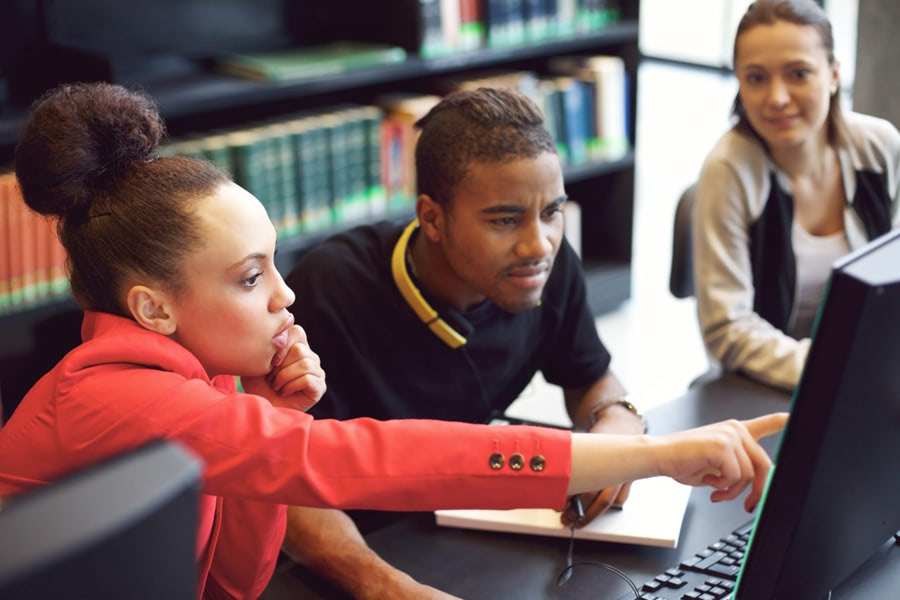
(450, 316)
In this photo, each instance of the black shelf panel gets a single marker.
(212, 91)
(204, 92)
(590, 170)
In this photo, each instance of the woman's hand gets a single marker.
(296, 380)
(723, 455)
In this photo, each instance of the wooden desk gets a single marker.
(479, 565)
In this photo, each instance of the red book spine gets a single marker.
(15, 243)
(59, 283)
(5, 275)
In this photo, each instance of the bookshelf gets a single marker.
(193, 98)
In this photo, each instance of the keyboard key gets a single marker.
(731, 572)
(709, 561)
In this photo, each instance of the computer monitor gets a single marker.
(125, 528)
(833, 497)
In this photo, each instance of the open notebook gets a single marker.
(651, 517)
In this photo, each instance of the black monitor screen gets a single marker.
(834, 497)
(125, 528)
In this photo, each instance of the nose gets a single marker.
(778, 93)
(535, 241)
(283, 296)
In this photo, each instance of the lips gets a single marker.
(782, 121)
(528, 277)
(526, 271)
(280, 339)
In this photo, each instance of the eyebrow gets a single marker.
(518, 209)
(249, 257)
(800, 62)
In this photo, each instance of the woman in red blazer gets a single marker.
(173, 264)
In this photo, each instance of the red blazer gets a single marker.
(125, 386)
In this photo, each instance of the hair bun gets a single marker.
(79, 137)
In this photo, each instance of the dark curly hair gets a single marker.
(469, 126)
(87, 155)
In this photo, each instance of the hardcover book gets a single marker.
(311, 62)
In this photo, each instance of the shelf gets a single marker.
(589, 170)
(205, 92)
(211, 91)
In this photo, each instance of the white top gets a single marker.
(815, 255)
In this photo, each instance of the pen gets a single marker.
(578, 507)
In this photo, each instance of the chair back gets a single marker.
(681, 273)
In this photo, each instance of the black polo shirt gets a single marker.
(382, 361)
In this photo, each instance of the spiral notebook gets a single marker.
(652, 516)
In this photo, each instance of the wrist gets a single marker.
(598, 411)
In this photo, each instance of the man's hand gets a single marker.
(328, 542)
(296, 380)
(613, 419)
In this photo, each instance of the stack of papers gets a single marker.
(652, 516)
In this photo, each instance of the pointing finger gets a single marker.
(766, 425)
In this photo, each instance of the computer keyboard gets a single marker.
(710, 574)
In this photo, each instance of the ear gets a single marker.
(835, 77)
(151, 309)
(431, 217)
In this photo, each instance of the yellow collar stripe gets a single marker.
(414, 297)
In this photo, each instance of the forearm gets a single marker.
(583, 403)
(602, 461)
(328, 542)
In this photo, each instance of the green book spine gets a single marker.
(293, 198)
(215, 150)
(283, 178)
(270, 158)
(316, 180)
(375, 191)
(336, 131)
(246, 157)
(358, 201)
(300, 138)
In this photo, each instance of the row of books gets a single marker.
(453, 25)
(585, 104)
(447, 26)
(318, 171)
(309, 170)
(32, 261)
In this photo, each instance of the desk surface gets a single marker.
(484, 565)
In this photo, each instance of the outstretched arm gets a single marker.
(328, 542)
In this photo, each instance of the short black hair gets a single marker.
(479, 125)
